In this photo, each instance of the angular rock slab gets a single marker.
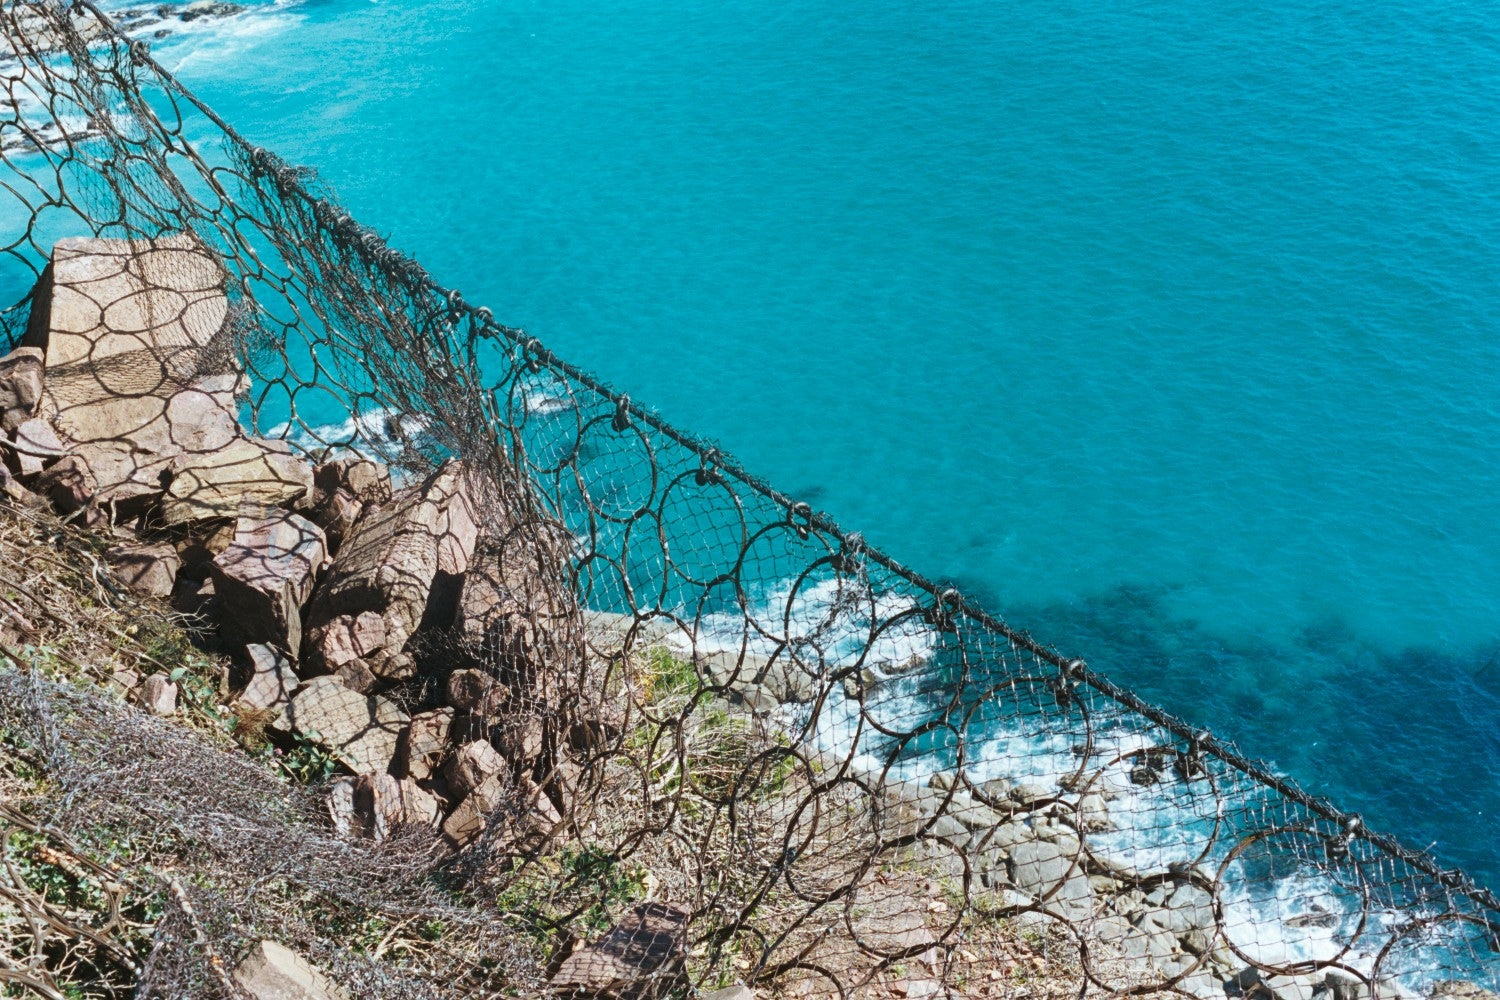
(274, 972)
(219, 483)
(359, 730)
(631, 958)
(20, 386)
(128, 329)
(103, 300)
(273, 679)
(146, 569)
(36, 446)
(401, 558)
(265, 576)
(425, 744)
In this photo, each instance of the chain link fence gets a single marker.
(859, 782)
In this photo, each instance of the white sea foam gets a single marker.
(377, 433)
(1286, 914)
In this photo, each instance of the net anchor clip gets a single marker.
(708, 468)
(1338, 846)
(1069, 675)
(621, 419)
(940, 616)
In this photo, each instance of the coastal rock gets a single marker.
(35, 445)
(342, 491)
(20, 387)
(360, 731)
(131, 334)
(736, 992)
(356, 675)
(425, 743)
(265, 576)
(149, 569)
(512, 613)
(273, 679)
(245, 472)
(348, 638)
(102, 300)
(475, 691)
(1042, 870)
(274, 972)
(1461, 989)
(365, 480)
(472, 765)
(158, 695)
(383, 804)
(631, 959)
(68, 483)
(403, 561)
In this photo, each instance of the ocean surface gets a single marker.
(1167, 330)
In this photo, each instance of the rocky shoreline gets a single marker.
(146, 23)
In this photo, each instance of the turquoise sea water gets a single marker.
(1167, 330)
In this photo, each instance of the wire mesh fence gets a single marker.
(838, 778)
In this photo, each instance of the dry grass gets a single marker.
(144, 855)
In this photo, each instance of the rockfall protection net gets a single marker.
(828, 776)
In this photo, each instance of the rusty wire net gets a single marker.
(759, 750)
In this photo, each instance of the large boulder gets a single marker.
(424, 744)
(515, 612)
(403, 562)
(360, 730)
(69, 483)
(377, 805)
(343, 490)
(218, 484)
(265, 576)
(137, 367)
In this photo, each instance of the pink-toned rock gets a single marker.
(20, 387)
(521, 740)
(361, 478)
(356, 675)
(632, 958)
(348, 638)
(36, 446)
(158, 695)
(125, 679)
(265, 576)
(128, 330)
(275, 972)
(425, 743)
(472, 765)
(339, 804)
(220, 483)
(403, 559)
(515, 615)
(100, 300)
(145, 568)
(466, 823)
(336, 514)
(69, 483)
(472, 690)
(193, 597)
(273, 679)
(361, 731)
(384, 804)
